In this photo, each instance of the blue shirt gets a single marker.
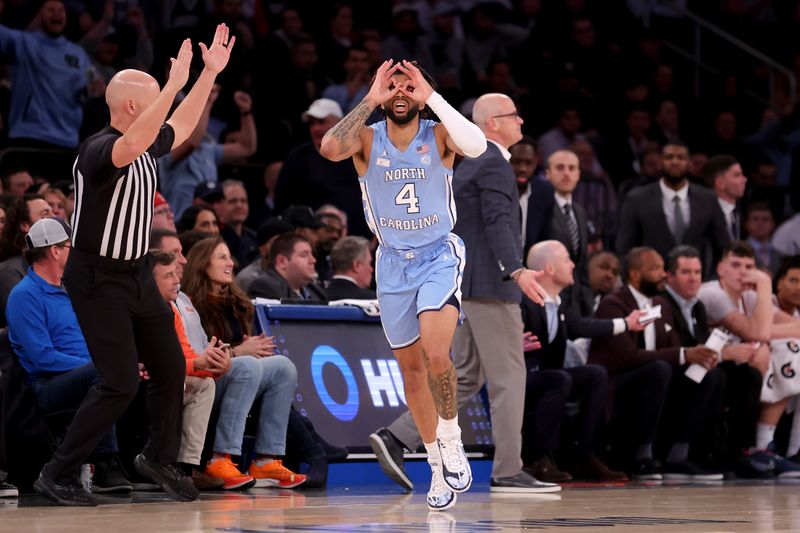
(43, 328)
(179, 178)
(408, 196)
(50, 75)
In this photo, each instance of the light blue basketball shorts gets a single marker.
(416, 280)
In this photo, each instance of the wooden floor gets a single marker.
(751, 507)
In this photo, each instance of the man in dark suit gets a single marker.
(351, 259)
(487, 347)
(550, 385)
(643, 364)
(536, 198)
(672, 211)
(569, 225)
(290, 273)
(724, 173)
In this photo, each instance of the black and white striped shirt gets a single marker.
(114, 206)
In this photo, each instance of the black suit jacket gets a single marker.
(570, 326)
(342, 289)
(539, 222)
(487, 200)
(643, 223)
(699, 317)
(273, 285)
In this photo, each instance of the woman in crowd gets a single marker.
(199, 218)
(256, 374)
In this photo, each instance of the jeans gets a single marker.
(273, 380)
(67, 391)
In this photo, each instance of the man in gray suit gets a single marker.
(673, 211)
(488, 345)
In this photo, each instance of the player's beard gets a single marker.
(408, 117)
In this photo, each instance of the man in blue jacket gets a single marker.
(50, 74)
(45, 335)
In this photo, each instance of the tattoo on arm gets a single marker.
(443, 389)
(346, 130)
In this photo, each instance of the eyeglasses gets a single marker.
(515, 114)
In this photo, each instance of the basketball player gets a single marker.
(405, 166)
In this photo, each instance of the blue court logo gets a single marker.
(325, 354)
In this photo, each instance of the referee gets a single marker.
(108, 274)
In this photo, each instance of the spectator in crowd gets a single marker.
(569, 224)
(41, 116)
(226, 313)
(667, 122)
(356, 82)
(748, 314)
(163, 217)
(301, 217)
(760, 225)
(406, 39)
(197, 160)
(17, 180)
(307, 178)
(604, 272)
(25, 211)
(198, 390)
(628, 151)
(351, 259)
(725, 174)
(673, 211)
(649, 172)
(787, 286)
(210, 194)
(199, 218)
(330, 231)
(265, 207)
(447, 46)
(67, 188)
(57, 202)
(333, 210)
(337, 41)
(595, 194)
(291, 271)
(487, 38)
(564, 134)
(536, 196)
(268, 231)
(241, 239)
(646, 371)
(786, 239)
(45, 334)
(550, 386)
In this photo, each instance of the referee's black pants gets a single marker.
(125, 321)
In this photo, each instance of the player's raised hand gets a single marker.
(179, 71)
(382, 88)
(217, 55)
(417, 87)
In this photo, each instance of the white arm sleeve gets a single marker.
(466, 135)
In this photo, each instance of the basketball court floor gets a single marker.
(733, 507)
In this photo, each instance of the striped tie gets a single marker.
(572, 228)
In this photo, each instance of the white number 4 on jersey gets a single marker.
(408, 197)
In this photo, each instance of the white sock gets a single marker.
(794, 436)
(764, 435)
(448, 429)
(433, 451)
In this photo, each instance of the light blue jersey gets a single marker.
(408, 196)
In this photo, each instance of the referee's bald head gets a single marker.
(130, 92)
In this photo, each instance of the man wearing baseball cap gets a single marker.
(48, 340)
(307, 178)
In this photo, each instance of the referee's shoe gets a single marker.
(389, 452)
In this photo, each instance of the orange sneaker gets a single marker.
(224, 469)
(274, 474)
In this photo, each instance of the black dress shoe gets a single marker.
(71, 494)
(169, 477)
(522, 483)
(389, 452)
